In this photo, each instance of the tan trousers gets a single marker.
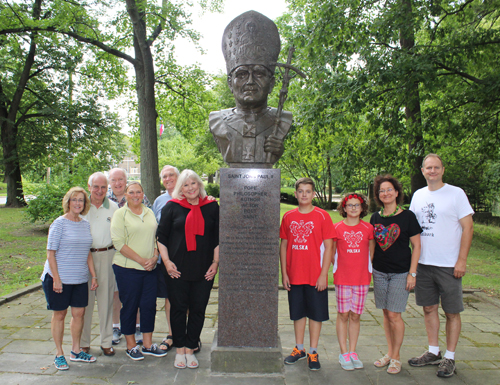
(104, 295)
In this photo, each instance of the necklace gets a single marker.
(389, 215)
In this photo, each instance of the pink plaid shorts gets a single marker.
(351, 298)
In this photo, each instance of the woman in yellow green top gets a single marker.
(133, 230)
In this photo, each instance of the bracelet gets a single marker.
(214, 261)
(94, 277)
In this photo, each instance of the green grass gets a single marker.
(22, 253)
(483, 263)
(3, 189)
(22, 250)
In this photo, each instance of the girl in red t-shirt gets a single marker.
(352, 274)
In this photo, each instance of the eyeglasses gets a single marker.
(74, 200)
(389, 190)
(353, 206)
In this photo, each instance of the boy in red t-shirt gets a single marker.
(306, 255)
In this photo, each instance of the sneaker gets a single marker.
(295, 356)
(138, 335)
(446, 368)
(355, 360)
(117, 335)
(154, 350)
(134, 353)
(313, 362)
(82, 357)
(60, 363)
(345, 361)
(427, 358)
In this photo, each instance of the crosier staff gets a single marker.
(284, 91)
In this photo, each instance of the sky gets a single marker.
(212, 25)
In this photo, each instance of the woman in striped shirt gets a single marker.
(66, 273)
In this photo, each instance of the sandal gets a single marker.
(197, 349)
(381, 362)
(180, 361)
(60, 363)
(168, 346)
(192, 362)
(394, 367)
(82, 357)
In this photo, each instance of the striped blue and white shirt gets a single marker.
(72, 242)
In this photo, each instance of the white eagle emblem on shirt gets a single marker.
(353, 238)
(301, 230)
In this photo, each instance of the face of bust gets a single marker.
(250, 85)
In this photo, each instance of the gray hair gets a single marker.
(181, 180)
(95, 175)
(119, 169)
(168, 166)
(132, 183)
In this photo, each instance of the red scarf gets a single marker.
(195, 223)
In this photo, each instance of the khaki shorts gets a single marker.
(434, 282)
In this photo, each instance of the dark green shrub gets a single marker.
(287, 197)
(213, 189)
(47, 202)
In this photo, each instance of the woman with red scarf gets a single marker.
(188, 240)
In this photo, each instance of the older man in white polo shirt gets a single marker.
(99, 216)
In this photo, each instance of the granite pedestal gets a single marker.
(247, 337)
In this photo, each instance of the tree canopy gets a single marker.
(50, 107)
(390, 81)
(135, 31)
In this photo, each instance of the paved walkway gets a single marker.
(27, 350)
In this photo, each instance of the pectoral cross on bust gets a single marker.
(248, 153)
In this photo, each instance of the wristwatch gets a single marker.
(413, 274)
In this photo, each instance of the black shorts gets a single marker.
(307, 301)
(72, 295)
(161, 291)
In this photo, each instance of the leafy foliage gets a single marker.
(390, 81)
(109, 29)
(213, 189)
(46, 204)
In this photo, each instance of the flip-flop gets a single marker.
(384, 361)
(167, 345)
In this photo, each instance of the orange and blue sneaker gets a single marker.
(295, 356)
(313, 361)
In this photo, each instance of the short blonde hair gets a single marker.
(183, 177)
(431, 155)
(70, 194)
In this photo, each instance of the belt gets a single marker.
(102, 249)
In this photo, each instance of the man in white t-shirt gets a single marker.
(445, 215)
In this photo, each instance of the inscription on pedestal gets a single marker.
(249, 256)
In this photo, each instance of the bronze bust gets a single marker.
(250, 135)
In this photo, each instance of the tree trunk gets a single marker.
(145, 87)
(9, 130)
(329, 176)
(15, 195)
(372, 203)
(412, 103)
